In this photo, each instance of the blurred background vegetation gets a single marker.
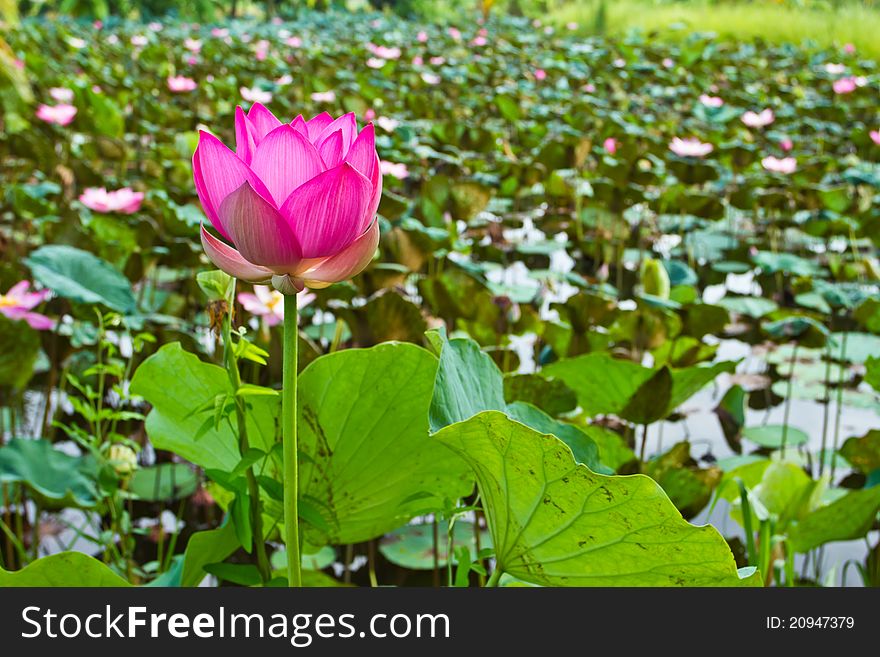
(823, 22)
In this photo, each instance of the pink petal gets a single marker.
(326, 213)
(263, 121)
(299, 124)
(38, 321)
(229, 260)
(362, 154)
(284, 161)
(331, 150)
(252, 304)
(244, 139)
(258, 230)
(19, 289)
(217, 173)
(347, 123)
(343, 265)
(317, 124)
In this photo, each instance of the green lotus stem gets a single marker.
(288, 437)
(788, 397)
(494, 577)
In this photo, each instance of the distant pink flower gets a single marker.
(711, 101)
(455, 34)
(19, 301)
(18, 63)
(875, 136)
(269, 304)
(124, 201)
(387, 124)
(590, 88)
(181, 84)
(540, 74)
(758, 119)
(418, 61)
(219, 32)
(324, 96)
(276, 20)
(619, 62)
(255, 95)
(779, 165)
(786, 144)
(98, 25)
(79, 44)
(610, 145)
(284, 80)
(193, 45)
(139, 40)
(422, 37)
(430, 78)
(844, 85)
(370, 114)
(112, 39)
(690, 147)
(834, 69)
(384, 52)
(155, 26)
(395, 170)
(192, 60)
(58, 114)
(571, 26)
(294, 42)
(437, 61)
(61, 94)
(849, 49)
(668, 63)
(479, 41)
(375, 62)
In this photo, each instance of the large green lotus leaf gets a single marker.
(178, 385)
(847, 518)
(80, 276)
(67, 569)
(368, 463)
(609, 385)
(17, 365)
(59, 479)
(207, 547)
(556, 523)
(469, 382)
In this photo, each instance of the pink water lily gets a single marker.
(875, 136)
(269, 304)
(779, 165)
(181, 84)
(690, 147)
(297, 200)
(18, 302)
(58, 114)
(711, 101)
(124, 201)
(758, 119)
(844, 85)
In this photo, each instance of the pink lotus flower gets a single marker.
(844, 85)
(58, 114)
(269, 304)
(422, 37)
(61, 94)
(18, 303)
(479, 41)
(711, 101)
(437, 61)
(294, 42)
(786, 144)
(417, 60)
(849, 49)
(193, 45)
(255, 95)
(384, 52)
(690, 147)
(540, 74)
(181, 84)
(124, 201)
(297, 200)
(139, 41)
(219, 32)
(394, 169)
(370, 114)
(875, 136)
(455, 33)
(610, 145)
(324, 96)
(779, 165)
(590, 88)
(758, 119)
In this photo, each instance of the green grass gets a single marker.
(852, 22)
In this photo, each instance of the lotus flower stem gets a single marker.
(289, 442)
(494, 577)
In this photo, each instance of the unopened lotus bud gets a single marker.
(123, 459)
(655, 279)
